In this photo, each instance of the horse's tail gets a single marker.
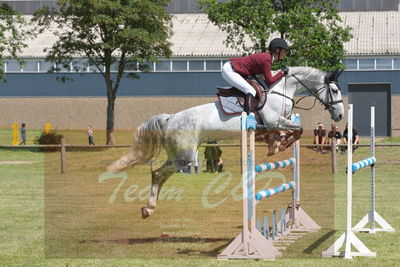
(147, 144)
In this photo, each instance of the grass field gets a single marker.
(86, 217)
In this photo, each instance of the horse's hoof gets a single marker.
(273, 151)
(146, 212)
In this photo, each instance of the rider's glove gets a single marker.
(285, 70)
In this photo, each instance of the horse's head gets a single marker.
(331, 96)
(324, 86)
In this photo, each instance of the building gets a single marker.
(372, 75)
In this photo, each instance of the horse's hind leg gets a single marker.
(158, 178)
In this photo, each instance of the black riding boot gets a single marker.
(249, 103)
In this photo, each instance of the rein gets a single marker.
(277, 93)
(328, 103)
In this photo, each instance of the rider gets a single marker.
(237, 69)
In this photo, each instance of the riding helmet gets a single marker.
(277, 43)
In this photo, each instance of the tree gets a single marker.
(13, 32)
(312, 27)
(106, 33)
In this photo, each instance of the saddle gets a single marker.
(232, 99)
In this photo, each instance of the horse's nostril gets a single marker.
(340, 116)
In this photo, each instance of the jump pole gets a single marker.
(372, 217)
(301, 221)
(251, 244)
(348, 238)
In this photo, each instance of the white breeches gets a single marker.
(236, 80)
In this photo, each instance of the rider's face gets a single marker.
(280, 54)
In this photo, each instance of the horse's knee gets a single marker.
(156, 176)
(160, 176)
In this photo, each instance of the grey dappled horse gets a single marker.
(181, 134)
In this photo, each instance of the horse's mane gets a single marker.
(309, 73)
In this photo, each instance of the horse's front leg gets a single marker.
(285, 124)
(275, 118)
(158, 178)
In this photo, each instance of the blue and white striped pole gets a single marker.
(275, 165)
(275, 190)
(362, 164)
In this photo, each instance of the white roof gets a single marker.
(374, 33)
(196, 35)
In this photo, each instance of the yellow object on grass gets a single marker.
(15, 135)
(47, 128)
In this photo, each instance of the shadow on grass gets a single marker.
(131, 241)
(217, 250)
(21, 148)
(319, 241)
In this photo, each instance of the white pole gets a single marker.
(349, 238)
(245, 232)
(349, 181)
(372, 143)
(372, 218)
(297, 171)
(252, 180)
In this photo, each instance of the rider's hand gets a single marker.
(285, 70)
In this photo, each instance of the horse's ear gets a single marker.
(328, 76)
(334, 75)
(340, 71)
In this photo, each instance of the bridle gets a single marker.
(328, 102)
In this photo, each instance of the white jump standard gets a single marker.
(251, 244)
(348, 238)
(372, 217)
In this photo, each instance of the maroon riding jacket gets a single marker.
(259, 63)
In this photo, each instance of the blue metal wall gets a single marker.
(153, 84)
(92, 85)
(377, 76)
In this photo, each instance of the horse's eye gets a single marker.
(334, 88)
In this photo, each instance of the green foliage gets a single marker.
(50, 138)
(13, 31)
(109, 34)
(312, 27)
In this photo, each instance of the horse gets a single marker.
(181, 134)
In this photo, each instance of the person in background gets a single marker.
(195, 163)
(319, 137)
(23, 134)
(220, 167)
(335, 136)
(212, 154)
(356, 138)
(90, 135)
